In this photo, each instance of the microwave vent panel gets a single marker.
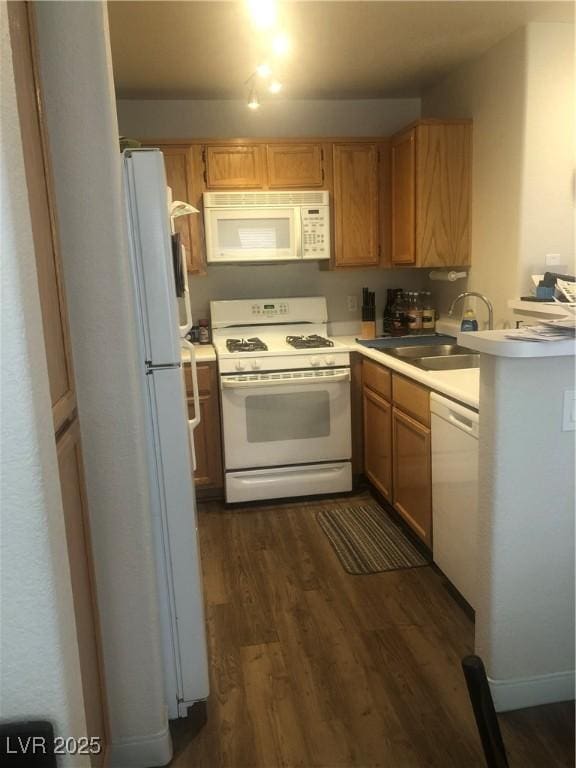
(264, 199)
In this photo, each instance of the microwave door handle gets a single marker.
(298, 233)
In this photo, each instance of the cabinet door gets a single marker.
(186, 184)
(83, 582)
(378, 442)
(443, 195)
(404, 198)
(235, 166)
(412, 474)
(356, 220)
(43, 220)
(207, 439)
(294, 166)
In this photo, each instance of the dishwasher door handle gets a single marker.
(466, 425)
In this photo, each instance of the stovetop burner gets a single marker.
(308, 342)
(246, 345)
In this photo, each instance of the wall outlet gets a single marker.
(352, 302)
(569, 411)
(552, 259)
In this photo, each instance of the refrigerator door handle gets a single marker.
(193, 423)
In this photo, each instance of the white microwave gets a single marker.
(256, 227)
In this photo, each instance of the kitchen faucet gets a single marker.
(479, 296)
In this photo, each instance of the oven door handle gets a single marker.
(288, 381)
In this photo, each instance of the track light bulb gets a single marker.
(253, 101)
(280, 44)
(275, 86)
(262, 12)
(263, 70)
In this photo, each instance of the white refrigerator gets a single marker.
(170, 446)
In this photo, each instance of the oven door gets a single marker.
(290, 417)
(252, 235)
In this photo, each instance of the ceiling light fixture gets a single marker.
(263, 70)
(275, 86)
(263, 13)
(253, 101)
(280, 44)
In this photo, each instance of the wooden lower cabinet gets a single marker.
(412, 473)
(82, 578)
(208, 475)
(378, 442)
(397, 446)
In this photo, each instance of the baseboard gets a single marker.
(147, 751)
(532, 691)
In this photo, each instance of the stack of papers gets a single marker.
(562, 329)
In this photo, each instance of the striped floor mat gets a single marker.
(367, 540)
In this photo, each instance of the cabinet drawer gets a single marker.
(412, 398)
(377, 378)
(204, 379)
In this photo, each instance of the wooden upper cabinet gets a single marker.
(356, 205)
(44, 229)
(294, 166)
(185, 182)
(431, 194)
(235, 166)
(403, 167)
(443, 173)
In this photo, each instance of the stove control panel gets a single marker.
(265, 309)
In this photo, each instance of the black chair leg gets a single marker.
(484, 712)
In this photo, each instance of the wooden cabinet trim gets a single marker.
(41, 199)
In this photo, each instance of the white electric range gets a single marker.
(285, 389)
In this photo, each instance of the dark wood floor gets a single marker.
(313, 667)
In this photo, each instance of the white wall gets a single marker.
(174, 119)
(547, 224)
(80, 109)
(285, 280)
(40, 672)
(520, 96)
(205, 119)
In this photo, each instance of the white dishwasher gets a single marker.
(455, 492)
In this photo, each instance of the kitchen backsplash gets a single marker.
(284, 280)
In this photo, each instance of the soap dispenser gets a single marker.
(469, 322)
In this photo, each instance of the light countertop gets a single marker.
(496, 343)
(463, 385)
(205, 353)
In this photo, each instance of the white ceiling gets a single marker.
(370, 49)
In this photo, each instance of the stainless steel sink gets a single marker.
(454, 363)
(429, 350)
